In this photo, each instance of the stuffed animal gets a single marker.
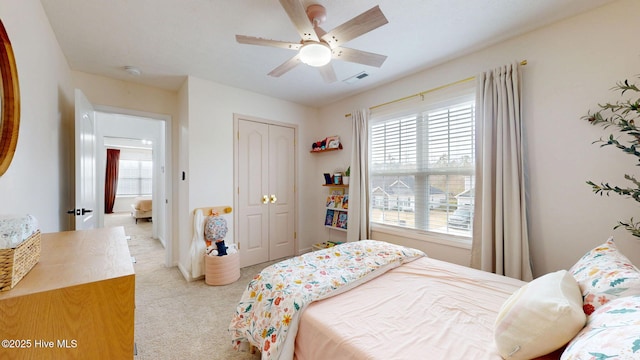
(215, 229)
(319, 145)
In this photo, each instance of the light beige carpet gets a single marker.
(176, 319)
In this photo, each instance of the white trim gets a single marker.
(428, 236)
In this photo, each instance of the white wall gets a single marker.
(210, 144)
(40, 178)
(571, 67)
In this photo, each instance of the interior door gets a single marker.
(266, 209)
(281, 192)
(253, 192)
(85, 163)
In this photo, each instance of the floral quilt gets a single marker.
(268, 313)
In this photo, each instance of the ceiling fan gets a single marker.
(317, 47)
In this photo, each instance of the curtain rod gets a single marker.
(523, 63)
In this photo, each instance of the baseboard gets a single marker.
(305, 250)
(187, 274)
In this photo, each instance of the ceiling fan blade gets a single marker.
(298, 15)
(251, 40)
(328, 74)
(358, 56)
(361, 24)
(286, 66)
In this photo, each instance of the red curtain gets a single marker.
(111, 180)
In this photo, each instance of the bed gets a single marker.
(415, 307)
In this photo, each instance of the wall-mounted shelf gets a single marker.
(325, 150)
(335, 228)
(336, 214)
(337, 185)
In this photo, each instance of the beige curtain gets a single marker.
(500, 235)
(358, 225)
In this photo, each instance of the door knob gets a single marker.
(273, 198)
(84, 211)
(265, 199)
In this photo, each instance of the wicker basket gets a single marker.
(221, 270)
(17, 262)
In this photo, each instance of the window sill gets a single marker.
(433, 237)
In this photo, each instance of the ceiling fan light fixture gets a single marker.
(315, 54)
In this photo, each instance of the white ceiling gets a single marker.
(170, 39)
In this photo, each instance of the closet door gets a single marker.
(253, 190)
(281, 192)
(266, 191)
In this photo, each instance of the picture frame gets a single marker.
(333, 142)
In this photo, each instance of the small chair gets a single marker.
(141, 209)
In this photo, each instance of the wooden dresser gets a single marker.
(76, 303)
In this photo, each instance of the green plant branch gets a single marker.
(605, 188)
(631, 150)
(622, 115)
(631, 226)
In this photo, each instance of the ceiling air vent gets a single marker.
(356, 77)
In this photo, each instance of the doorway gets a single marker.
(129, 182)
(136, 132)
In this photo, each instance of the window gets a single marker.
(134, 177)
(422, 167)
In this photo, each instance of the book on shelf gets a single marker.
(338, 201)
(331, 201)
(342, 220)
(335, 219)
(328, 221)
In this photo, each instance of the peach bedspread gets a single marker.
(426, 309)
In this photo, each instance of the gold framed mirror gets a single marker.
(9, 102)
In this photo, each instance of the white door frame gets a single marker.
(165, 195)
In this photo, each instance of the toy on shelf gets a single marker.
(328, 143)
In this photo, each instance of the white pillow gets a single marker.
(540, 317)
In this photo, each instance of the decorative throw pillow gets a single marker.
(215, 228)
(612, 332)
(540, 317)
(605, 274)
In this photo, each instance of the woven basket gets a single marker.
(221, 270)
(17, 262)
